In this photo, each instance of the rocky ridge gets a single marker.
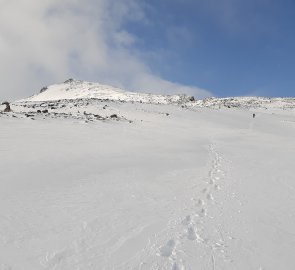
(90, 102)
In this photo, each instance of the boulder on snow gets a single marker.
(43, 89)
(7, 109)
(69, 80)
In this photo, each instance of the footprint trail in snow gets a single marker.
(191, 229)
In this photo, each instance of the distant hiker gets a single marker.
(254, 115)
(7, 109)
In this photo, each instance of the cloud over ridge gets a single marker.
(43, 42)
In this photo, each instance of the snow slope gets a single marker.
(162, 186)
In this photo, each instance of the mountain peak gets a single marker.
(76, 89)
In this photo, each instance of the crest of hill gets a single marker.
(76, 89)
(247, 103)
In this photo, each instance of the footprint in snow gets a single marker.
(217, 187)
(191, 234)
(194, 236)
(202, 213)
(187, 220)
(209, 197)
(179, 266)
(212, 181)
(200, 202)
(204, 190)
(56, 259)
(167, 250)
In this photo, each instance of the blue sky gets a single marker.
(230, 47)
(199, 47)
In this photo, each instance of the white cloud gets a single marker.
(43, 42)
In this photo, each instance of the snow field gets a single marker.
(195, 189)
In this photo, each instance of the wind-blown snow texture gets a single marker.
(119, 183)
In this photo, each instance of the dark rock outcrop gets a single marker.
(43, 89)
(7, 109)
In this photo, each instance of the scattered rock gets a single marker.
(43, 89)
(52, 109)
(7, 109)
(69, 80)
(98, 117)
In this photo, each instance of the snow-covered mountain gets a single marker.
(81, 90)
(76, 89)
(94, 177)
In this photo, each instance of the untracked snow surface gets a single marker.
(156, 187)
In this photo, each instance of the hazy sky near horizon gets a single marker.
(212, 47)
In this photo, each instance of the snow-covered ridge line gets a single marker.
(75, 89)
(247, 103)
(82, 92)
